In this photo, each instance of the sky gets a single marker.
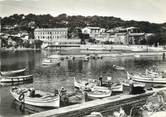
(141, 10)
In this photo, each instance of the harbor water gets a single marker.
(55, 76)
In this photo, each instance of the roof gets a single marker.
(51, 29)
(131, 28)
(97, 28)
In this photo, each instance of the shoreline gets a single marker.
(84, 53)
(17, 49)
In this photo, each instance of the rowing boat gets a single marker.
(41, 99)
(16, 79)
(6, 73)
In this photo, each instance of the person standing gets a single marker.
(100, 81)
(131, 84)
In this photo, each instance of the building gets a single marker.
(54, 36)
(93, 31)
(130, 35)
(51, 36)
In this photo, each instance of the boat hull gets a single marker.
(6, 73)
(139, 78)
(46, 100)
(83, 85)
(16, 79)
(98, 94)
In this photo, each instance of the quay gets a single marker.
(113, 54)
(100, 105)
(62, 45)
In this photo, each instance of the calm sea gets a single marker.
(56, 76)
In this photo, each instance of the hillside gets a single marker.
(31, 21)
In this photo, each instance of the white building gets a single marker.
(54, 36)
(93, 31)
(50, 34)
(130, 35)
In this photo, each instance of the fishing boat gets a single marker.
(137, 87)
(150, 73)
(99, 92)
(117, 87)
(4, 84)
(118, 67)
(40, 99)
(48, 62)
(144, 79)
(85, 85)
(7, 73)
(16, 79)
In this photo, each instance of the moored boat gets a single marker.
(16, 79)
(117, 87)
(99, 93)
(118, 67)
(48, 62)
(6, 73)
(146, 79)
(150, 73)
(85, 85)
(40, 98)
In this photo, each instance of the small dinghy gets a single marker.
(37, 98)
(16, 79)
(118, 67)
(7, 73)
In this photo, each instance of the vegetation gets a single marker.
(74, 23)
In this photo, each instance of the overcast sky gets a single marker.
(146, 10)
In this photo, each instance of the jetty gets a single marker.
(100, 105)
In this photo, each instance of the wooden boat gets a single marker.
(48, 62)
(85, 85)
(41, 99)
(117, 87)
(6, 73)
(150, 73)
(4, 84)
(145, 79)
(118, 67)
(99, 92)
(16, 79)
(138, 88)
(88, 85)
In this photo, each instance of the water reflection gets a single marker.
(49, 78)
(19, 59)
